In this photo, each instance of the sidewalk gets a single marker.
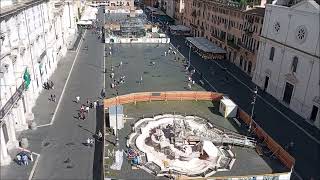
(43, 112)
(44, 107)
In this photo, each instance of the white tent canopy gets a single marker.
(179, 28)
(84, 22)
(90, 13)
(205, 45)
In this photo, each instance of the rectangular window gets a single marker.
(314, 113)
(271, 53)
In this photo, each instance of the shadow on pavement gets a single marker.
(98, 154)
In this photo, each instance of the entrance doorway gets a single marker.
(314, 113)
(245, 66)
(266, 83)
(287, 93)
(249, 67)
(5, 133)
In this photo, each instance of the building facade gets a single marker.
(34, 37)
(178, 11)
(289, 58)
(168, 7)
(230, 25)
(151, 3)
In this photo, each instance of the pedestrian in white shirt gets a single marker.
(78, 99)
(95, 104)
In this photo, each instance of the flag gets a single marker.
(26, 78)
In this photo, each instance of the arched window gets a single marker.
(294, 64)
(271, 53)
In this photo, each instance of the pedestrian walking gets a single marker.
(77, 99)
(193, 82)
(165, 53)
(99, 135)
(53, 97)
(51, 85)
(88, 102)
(88, 142)
(141, 80)
(112, 75)
(87, 109)
(189, 85)
(120, 63)
(94, 104)
(25, 160)
(18, 159)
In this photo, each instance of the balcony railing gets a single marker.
(232, 44)
(245, 47)
(218, 37)
(10, 103)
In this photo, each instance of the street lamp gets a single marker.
(189, 63)
(117, 137)
(255, 93)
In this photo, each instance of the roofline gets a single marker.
(19, 7)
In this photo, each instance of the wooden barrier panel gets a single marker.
(162, 96)
(277, 150)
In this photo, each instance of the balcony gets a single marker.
(218, 37)
(193, 25)
(248, 31)
(10, 103)
(233, 45)
(245, 47)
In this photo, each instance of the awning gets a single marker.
(179, 28)
(84, 23)
(205, 45)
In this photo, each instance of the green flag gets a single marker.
(26, 78)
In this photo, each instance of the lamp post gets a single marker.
(117, 137)
(189, 62)
(255, 93)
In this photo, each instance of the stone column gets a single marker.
(20, 118)
(29, 104)
(12, 143)
(5, 159)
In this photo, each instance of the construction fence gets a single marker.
(277, 150)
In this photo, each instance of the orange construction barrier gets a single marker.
(277, 150)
